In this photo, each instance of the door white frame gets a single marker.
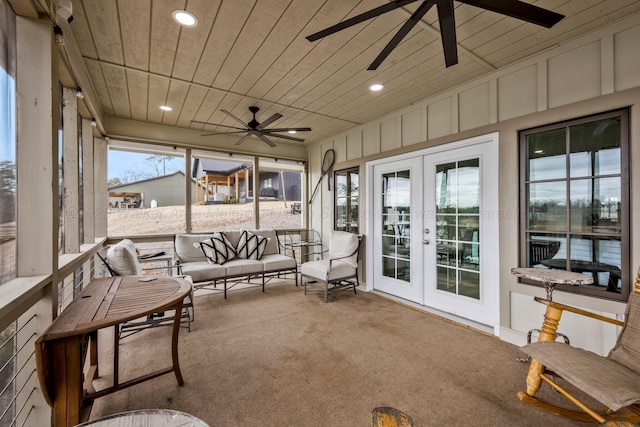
(369, 223)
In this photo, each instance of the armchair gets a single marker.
(613, 380)
(339, 268)
(122, 260)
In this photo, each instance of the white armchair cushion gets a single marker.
(319, 269)
(343, 244)
(123, 258)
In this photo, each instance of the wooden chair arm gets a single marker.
(564, 307)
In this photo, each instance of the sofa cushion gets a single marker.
(184, 249)
(251, 246)
(217, 249)
(202, 271)
(272, 245)
(123, 259)
(275, 262)
(240, 267)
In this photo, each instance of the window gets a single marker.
(576, 201)
(347, 198)
(146, 185)
(7, 147)
(280, 184)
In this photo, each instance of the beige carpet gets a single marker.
(282, 358)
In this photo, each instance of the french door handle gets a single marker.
(426, 241)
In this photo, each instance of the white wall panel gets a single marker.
(574, 76)
(440, 118)
(390, 134)
(371, 140)
(527, 314)
(517, 93)
(474, 107)
(354, 145)
(414, 126)
(627, 59)
(340, 147)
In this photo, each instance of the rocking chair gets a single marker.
(614, 380)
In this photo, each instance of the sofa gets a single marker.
(229, 257)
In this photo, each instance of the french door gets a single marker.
(435, 229)
(397, 222)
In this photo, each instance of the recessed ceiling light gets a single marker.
(376, 87)
(185, 18)
(292, 131)
(165, 108)
(538, 151)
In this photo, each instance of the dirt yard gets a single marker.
(171, 219)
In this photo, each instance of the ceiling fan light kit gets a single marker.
(257, 129)
(446, 19)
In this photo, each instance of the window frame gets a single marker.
(625, 190)
(346, 225)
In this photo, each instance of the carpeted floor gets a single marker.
(282, 358)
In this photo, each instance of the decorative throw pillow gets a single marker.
(217, 249)
(251, 246)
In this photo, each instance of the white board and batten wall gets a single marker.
(588, 75)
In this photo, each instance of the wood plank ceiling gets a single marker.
(254, 52)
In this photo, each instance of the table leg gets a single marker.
(549, 287)
(547, 333)
(174, 342)
(67, 381)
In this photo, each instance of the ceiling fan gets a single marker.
(514, 8)
(256, 128)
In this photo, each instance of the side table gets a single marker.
(147, 417)
(549, 278)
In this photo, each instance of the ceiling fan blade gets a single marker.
(520, 10)
(448, 32)
(217, 124)
(358, 19)
(290, 138)
(241, 140)
(286, 129)
(233, 117)
(270, 120)
(265, 139)
(224, 133)
(402, 32)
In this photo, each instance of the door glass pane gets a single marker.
(469, 284)
(396, 225)
(469, 186)
(446, 280)
(446, 196)
(457, 195)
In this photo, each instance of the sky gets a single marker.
(122, 162)
(7, 119)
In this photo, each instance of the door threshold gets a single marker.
(480, 327)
